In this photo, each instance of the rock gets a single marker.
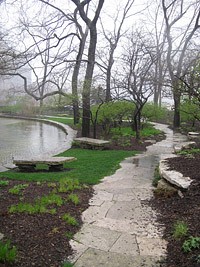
(150, 141)
(165, 189)
(173, 177)
(180, 194)
(187, 145)
(165, 186)
(193, 135)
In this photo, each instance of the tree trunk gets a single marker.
(41, 107)
(177, 119)
(75, 93)
(137, 127)
(88, 82)
(108, 80)
(91, 60)
(108, 74)
(75, 74)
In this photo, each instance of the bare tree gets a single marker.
(113, 37)
(92, 26)
(48, 64)
(81, 34)
(159, 38)
(178, 43)
(46, 47)
(137, 77)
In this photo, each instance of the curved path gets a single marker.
(119, 229)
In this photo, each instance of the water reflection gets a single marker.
(28, 138)
(146, 161)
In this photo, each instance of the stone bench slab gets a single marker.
(52, 162)
(91, 142)
(193, 133)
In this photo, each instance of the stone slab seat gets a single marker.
(193, 135)
(91, 142)
(54, 163)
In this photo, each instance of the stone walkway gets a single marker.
(119, 229)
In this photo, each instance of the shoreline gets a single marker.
(71, 134)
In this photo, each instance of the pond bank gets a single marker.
(43, 140)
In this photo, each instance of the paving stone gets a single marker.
(116, 190)
(126, 244)
(94, 213)
(125, 197)
(97, 258)
(97, 237)
(151, 246)
(99, 197)
(123, 210)
(125, 226)
(78, 249)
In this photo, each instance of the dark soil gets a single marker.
(41, 239)
(186, 209)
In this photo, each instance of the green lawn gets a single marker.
(64, 120)
(89, 168)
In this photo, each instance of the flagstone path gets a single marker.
(119, 229)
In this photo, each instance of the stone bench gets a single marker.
(193, 135)
(54, 163)
(86, 142)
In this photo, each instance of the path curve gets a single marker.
(119, 229)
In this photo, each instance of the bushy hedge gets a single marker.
(152, 112)
(113, 114)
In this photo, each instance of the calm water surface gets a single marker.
(23, 138)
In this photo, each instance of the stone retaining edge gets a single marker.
(67, 129)
(173, 177)
(62, 126)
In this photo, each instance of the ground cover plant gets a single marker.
(8, 253)
(41, 223)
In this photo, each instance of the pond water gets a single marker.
(24, 138)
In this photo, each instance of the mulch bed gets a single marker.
(186, 209)
(41, 239)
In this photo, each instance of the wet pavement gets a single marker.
(28, 138)
(119, 229)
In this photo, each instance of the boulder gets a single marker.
(186, 145)
(173, 177)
